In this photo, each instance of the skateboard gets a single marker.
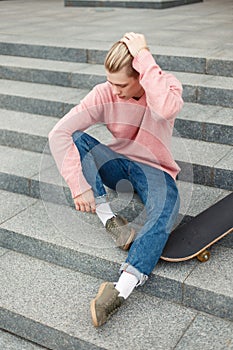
(195, 237)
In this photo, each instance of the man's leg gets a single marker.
(95, 158)
(101, 166)
(159, 194)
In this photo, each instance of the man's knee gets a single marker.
(84, 141)
(76, 136)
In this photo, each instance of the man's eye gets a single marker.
(117, 85)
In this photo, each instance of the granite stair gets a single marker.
(143, 4)
(51, 263)
(49, 305)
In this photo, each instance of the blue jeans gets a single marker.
(156, 189)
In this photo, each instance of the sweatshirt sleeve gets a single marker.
(163, 90)
(62, 147)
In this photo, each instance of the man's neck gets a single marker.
(139, 95)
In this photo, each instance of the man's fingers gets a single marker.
(82, 207)
(92, 207)
(85, 207)
(131, 35)
(85, 202)
(135, 42)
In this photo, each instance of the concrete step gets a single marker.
(38, 98)
(49, 305)
(213, 167)
(150, 4)
(59, 235)
(25, 130)
(9, 341)
(207, 123)
(87, 51)
(49, 187)
(201, 88)
(29, 131)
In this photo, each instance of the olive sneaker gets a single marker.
(105, 303)
(120, 231)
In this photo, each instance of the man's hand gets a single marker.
(85, 202)
(135, 42)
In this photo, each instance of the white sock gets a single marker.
(104, 212)
(126, 284)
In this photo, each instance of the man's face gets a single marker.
(123, 86)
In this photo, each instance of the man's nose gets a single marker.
(115, 90)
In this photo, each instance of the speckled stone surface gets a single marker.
(19, 162)
(62, 236)
(191, 15)
(9, 341)
(21, 170)
(209, 331)
(3, 251)
(196, 88)
(216, 276)
(48, 303)
(12, 204)
(156, 4)
(50, 300)
(39, 98)
(207, 123)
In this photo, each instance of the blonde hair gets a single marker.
(119, 57)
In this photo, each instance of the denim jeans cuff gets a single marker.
(131, 269)
(101, 199)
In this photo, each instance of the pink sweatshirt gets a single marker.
(141, 130)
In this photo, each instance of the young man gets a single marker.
(138, 104)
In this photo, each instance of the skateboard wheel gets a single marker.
(204, 256)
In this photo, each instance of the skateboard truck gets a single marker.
(204, 256)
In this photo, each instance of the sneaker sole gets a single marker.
(93, 302)
(130, 240)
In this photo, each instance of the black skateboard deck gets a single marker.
(192, 239)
